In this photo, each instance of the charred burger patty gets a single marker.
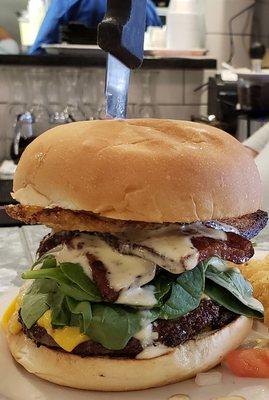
(206, 317)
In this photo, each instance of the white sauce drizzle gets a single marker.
(64, 253)
(171, 246)
(174, 247)
(146, 336)
(138, 296)
(154, 351)
(122, 271)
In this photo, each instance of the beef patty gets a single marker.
(207, 317)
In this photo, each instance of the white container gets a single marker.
(183, 6)
(155, 38)
(185, 25)
(31, 20)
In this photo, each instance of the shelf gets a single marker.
(98, 59)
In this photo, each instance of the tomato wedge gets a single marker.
(249, 362)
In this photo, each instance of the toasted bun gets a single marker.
(142, 170)
(108, 374)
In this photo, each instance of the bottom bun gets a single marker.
(110, 374)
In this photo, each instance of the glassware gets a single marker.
(147, 107)
(37, 79)
(18, 92)
(88, 92)
(57, 114)
(100, 100)
(16, 78)
(70, 94)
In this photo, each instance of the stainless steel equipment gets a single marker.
(253, 87)
(253, 95)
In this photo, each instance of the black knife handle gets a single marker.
(121, 32)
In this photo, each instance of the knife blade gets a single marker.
(117, 85)
(121, 34)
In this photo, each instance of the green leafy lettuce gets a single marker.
(74, 300)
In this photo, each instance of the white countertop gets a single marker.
(17, 252)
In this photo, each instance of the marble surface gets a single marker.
(17, 252)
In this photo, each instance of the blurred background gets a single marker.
(203, 61)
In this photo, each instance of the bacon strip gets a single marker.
(236, 248)
(248, 225)
(99, 275)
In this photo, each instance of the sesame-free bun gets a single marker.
(119, 374)
(148, 170)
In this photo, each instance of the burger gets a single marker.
(133, 288)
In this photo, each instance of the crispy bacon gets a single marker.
(236, 248)
(99, 275)
(248, 225)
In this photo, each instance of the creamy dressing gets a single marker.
(73, 255)
(174, 247)
(138, 296)
(122, 271)
(146, 336)
(171, 247)
(208, 232)
(154, 351)
(148, 339)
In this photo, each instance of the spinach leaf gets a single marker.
(232, 281)
(75, 273)
(83, 310)
(42, 286)
(47, 261)
(113, 325)
(49, 273)
(75, 292)
(68, 287)
(224, 297)
(33, 307)
(75, 320)
(60, 314)
(185, 295)
(162, 286)
(36, 301)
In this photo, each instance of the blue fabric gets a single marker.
(88, 12)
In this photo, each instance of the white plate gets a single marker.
(17, 384)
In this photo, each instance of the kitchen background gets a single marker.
(166, 93)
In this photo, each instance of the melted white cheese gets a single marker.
(146, 336)
(122, 271)
(171, 247)
(73, 255)
(174, 247)
(138, 296)
(154, 351)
